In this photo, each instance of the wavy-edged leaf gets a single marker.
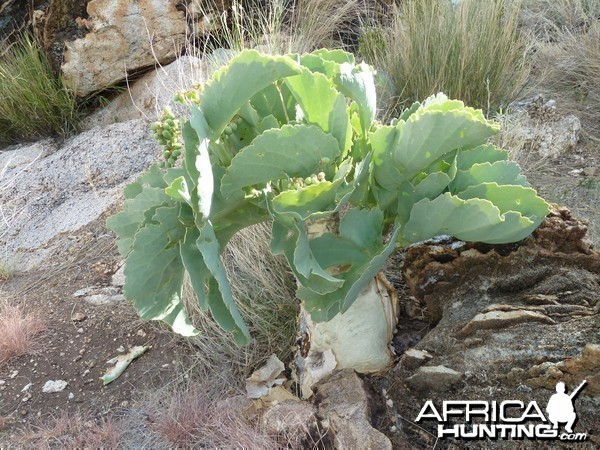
(385, 172)
(486, 213)
(292, 150)
(480, 154)
(510, 198)
(231, 88)
(322, 105)
(501, 172)
(307, 201)
(429, 134)
(292, 242)
(126, 223)
(154, 271)
(202, 165)
(326, 61)
(275, 100)
(358, 84)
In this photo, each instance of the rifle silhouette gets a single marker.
(576, 391)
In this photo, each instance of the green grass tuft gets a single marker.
(473, 51)
(34, 102)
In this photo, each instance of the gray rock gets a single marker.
(541, 128)
(295, 420)
(46, 198)
(513, 320)
(148, 96)
(345, 408)
(434, 378)
(118, 278)
(52, 386)
(413, 358)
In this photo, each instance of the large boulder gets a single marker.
(49, 190)
(147, 97)
(124, 37)
(508, 323)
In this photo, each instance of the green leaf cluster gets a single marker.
(293, 140)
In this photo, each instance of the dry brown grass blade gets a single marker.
(18, 330)
(264, 291)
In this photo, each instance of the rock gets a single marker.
(123, 38)
(514, 321)
(543, 129)
(118, 278)
(99, 296)
(147, 97)
(344, 406)
(434, 378)
(261, 381)
(68, 187)
(54, 386)
(502, 319)
(585, 366)
(413, 358)
(78, 317)
(239, 404)
(293, 420)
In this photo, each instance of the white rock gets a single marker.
(118, 278)
(54, 386)
(26, 387)
(434, 378)
(124, 37)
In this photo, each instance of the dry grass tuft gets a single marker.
(72, 432)
(264, 291)
(516, 138)
(281, 26)
(192, 420)
(18, 330)
(547, 20)
(569, 71)
(472, 51)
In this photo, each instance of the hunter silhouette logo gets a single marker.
(560, 407)
(508, 419)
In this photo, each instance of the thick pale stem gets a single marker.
(358, 339)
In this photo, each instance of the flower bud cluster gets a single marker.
(299, 183)
(167, 132)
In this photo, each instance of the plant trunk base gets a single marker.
(358, 339)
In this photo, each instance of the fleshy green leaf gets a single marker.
(126, 223)
(322, 105)
(154, 271)
(358, 84)
(364, 229)
(307, 201)
(202, 165)
(233, 86)
(480, 154)
(485, 213)
(220, 298)
(292, 150)
(501, 172)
